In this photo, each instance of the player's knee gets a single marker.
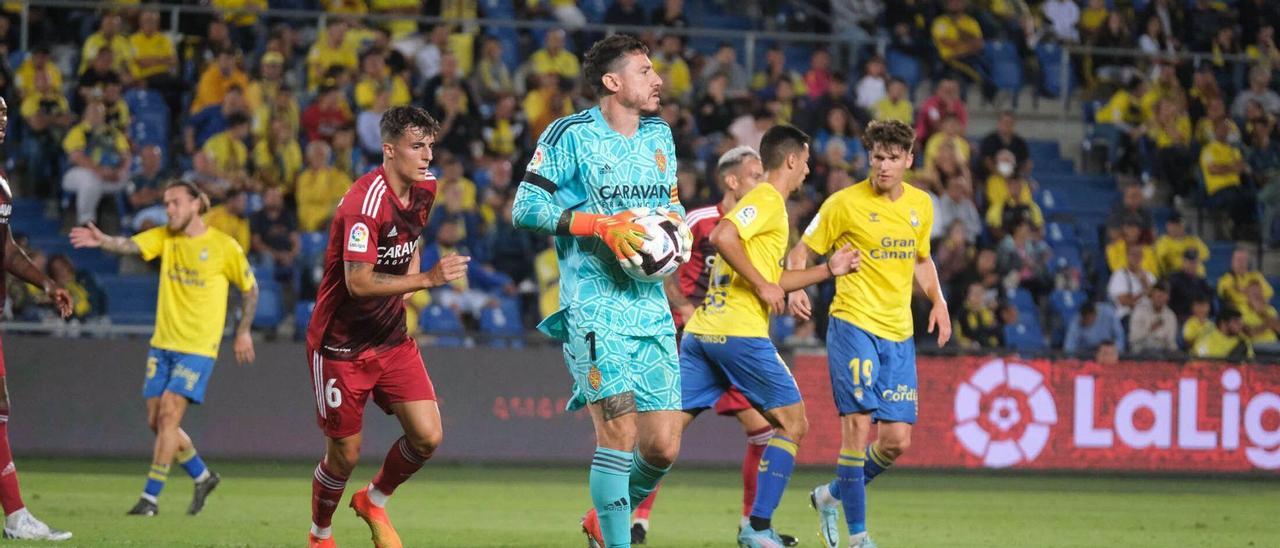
(661, 455)
(425, 443)
(343, 458)
(796, 427)
(895, 446)
(169, 416)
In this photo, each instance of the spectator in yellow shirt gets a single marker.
(1228, 341)
(332, 49)
(402, 26)
(1216, 110)
(952, 135)
(553, 59)
(271, 77)
(1198, 324)
(959, 42)
(346, 7)
(319, 188)
(1170, 131)
(1221, 166)
(1131, 236)
(219, 77)
(282, 105)
(670, 65)
(546, 103)
(775, 68)
(375, 78)
(153, 52)
(1172, 247)
(1017, 206)
(1261, 322)
(895, 105)
(242, 19)
(108, 36)
(492, 78)
(229, 218)
(277, 159)
(1231, 285)
(227, 151)
(99, 154)
(37, 63)
(452, 174)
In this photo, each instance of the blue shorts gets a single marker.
(184, 374)
(871, 374)
(710, 364)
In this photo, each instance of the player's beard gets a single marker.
(178, 228)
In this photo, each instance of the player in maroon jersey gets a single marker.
(18, 522)
(357, 342)
(738, 168)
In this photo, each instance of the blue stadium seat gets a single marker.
(501, 325)
(1006, 67)
(1051, 83)
(1066, 255)
(270, 311)
(95, 261)
(313, 243)
(1060, 233)
(1024, 337)
(131, 300)
(1026, 304)
(905, 66)
(302, 318)
(1041, 149)
(443, 324)
(1066, 303)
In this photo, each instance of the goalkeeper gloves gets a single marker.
(618, 231)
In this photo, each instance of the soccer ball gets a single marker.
(666, 249)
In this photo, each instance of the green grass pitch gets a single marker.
(268, 504)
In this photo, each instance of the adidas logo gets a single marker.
(620, 505)
(8, 469)
(393, 233)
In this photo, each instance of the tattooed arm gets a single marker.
(363, 282)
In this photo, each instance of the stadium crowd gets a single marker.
(274, 119)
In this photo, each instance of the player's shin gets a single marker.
(326, 490)
(644, 477)
(402, 461)
(643, 509)
(191, 462)
(610, 476)
(757, 440)
(10, 494)
(776, 463)
(878, 460)
(850, 488)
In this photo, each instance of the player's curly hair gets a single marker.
(603, 58)
(889, 134)
(397, 120)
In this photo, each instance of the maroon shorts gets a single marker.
(342, 387)
(732, 402)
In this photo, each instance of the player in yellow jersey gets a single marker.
(726, 342)
(870, 353)
(196, 265)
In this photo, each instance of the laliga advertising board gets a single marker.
(986, 412)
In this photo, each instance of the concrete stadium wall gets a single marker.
(82, 397)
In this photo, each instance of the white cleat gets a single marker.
(24, 526)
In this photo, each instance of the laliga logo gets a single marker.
(1018, 413)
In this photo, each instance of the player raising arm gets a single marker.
(357, 342)
(196, 265)
(18, 521)
(588, 172)
(871, 357)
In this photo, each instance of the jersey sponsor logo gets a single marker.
(358, 241)
(632, 192)
(660, 159)
(397, 254)
(895, 248)
(901, 393)
(536, 161)
(746, 215)
(813, 225)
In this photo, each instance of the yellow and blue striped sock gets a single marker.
(155, 481)
(193, 464)
(851, 489)
(877, 462)
(776, 463)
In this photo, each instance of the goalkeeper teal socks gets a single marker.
(644, 477)
(609, 483)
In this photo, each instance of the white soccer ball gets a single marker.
(667, 248)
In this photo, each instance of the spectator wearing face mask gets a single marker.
(1005, 137)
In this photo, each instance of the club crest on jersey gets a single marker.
(875, 218)
(594, 378)
(915, 220)
(536, 161)
(358, 240)
(660, 159)
(204, 254)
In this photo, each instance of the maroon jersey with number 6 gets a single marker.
(371, 226)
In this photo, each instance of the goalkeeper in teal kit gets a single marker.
(592, 175)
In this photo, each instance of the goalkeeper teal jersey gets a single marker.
(581, 164)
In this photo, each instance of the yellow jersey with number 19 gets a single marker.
(194, 272)
(731, 307)
(890, 235)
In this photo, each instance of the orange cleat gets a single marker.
(313, 542)
(384, 535)
(591, 526)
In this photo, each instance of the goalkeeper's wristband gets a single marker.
(583, 224)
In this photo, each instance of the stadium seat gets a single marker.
(131, 300)
(501, 325)
(1066, 303)
(443, 324)
(302, 318)
(1049, 55)
(905, 66)
(1022, 299)
(313, 244)
(1060, 233)
(1066, 255)
(1006, 67)
(1024, 337)
(270, 311)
